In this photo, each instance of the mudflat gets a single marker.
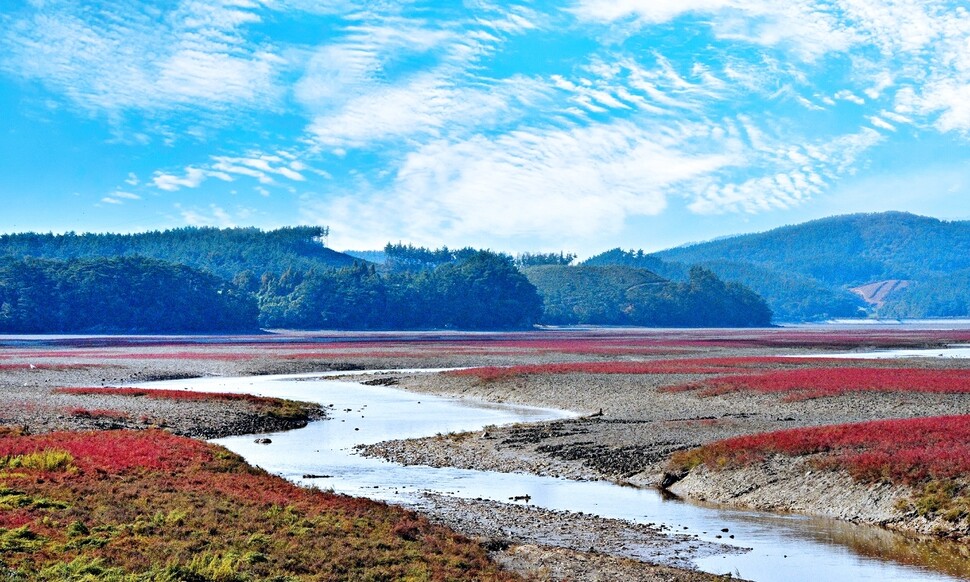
(652, 399)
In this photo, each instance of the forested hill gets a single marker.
(222, 252)
(623, 295)
(809, 271)
(118, 295)
(847, 250)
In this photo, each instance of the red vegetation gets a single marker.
(672, 366)
(166, 394)
(150, 505)
(804, 384)
(911, 451)
(404, 345)
(203, 355)
(325, 355)
(114, 451)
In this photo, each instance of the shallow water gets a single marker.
(957, 352)
(784, 547)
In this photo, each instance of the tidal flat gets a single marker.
(640, 396)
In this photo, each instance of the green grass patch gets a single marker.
(45, 460)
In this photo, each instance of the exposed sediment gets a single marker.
(794, 485)
(641, 427)
(573, 546)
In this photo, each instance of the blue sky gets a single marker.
(578, 125)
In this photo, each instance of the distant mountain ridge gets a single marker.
(808, 271)
(852, 249)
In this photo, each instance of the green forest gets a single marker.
(622, 295)
(120, 294)
(224, 252)
(221, 280)
(479, 291)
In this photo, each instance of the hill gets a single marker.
(622, 295)
(223, 252)
(118, 295)
(808, 271)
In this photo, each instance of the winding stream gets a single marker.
(783, 547)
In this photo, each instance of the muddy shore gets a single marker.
(588, 548)
(625, 431)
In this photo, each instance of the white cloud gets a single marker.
(359, 94)
(214, 215)
(881, 123)
(647, 11)
(789, 175)
(847, 95)
(114, 57)
(119, 197)
(621, 83)
(951, 100)
(583, 182)
(882, 81)
(807, 28)
(169, 182)
(920, 46)
(428, 104)
(892, 25)
(227, 168)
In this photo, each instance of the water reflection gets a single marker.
(943, 556)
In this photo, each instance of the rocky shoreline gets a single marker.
(573, 546)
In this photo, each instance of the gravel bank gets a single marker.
(570, 546)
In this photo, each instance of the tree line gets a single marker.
(243, 279)
(224, 252)
(791, 295)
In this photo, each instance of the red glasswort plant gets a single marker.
(121, 505)
(804, 384)
(165, 394)
(670, 366)
(910, 451)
